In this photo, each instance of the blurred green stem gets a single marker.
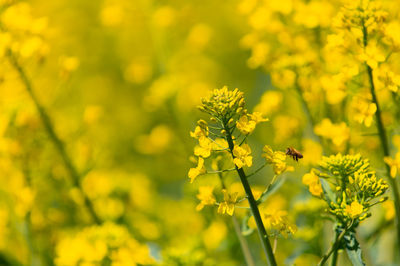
(253, 204)
(53, 135)
(242, 241)
(382, 136)
(385, 147)
(335, 252)
(333, 249)
(306, 109)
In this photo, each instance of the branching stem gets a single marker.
(59, 145)
(382, 135)
(333, 248)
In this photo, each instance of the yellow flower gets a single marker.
(364, 112)
(315, 189)
(164, 16)
(338, 133)
(394, 164)
(228, 206)
(199, 132)
(354, 210)
(312, 151)
(242, 156)
(195, 172)
(285, 127)
(245, 125)
(270, 102)
(388, 78)
(313, 183)
(68, 64)
(277, 159)
(112, 15)
(283, 78)
(214, 234)
(220, 144)
(389, 210)
(396, 141)
(278, 220)
(334, 86)
(257, 117)
(372, 55)
(205, 196)
(204, 148)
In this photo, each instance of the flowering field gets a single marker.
(200, 132)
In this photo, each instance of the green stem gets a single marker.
(382, 135)
(335, 252)
(259, 201)
(242, 241)
(253, 206)
(307, 110)
(385, 147)
(333, 248)
(53, 136)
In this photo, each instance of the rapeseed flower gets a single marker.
(394, 164)
(206, 197)
(242, 156)
(228, 205)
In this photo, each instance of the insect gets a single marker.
(294, 153)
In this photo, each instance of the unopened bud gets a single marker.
(383, 199)
(202, 123)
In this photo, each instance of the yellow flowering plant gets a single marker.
(350, 189)
(97, 98)
(230, 125)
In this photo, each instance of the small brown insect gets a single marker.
(294, 153)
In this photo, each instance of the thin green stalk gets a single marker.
(307, 110)
(27, 225)
(385, 147)
(242, 241)
(253, 206)
(333, 248)
(382, 136)
(335, 252)
(53, 136)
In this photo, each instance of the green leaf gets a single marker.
(353, 249)
(329, 195)
(271, 189)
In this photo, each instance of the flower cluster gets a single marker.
(21, 32)
(224, 104)
(227, 111)
(337, 133)
(355, 186)
(223, 140)
(97, 244)
(279, 221)
(359, 14)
